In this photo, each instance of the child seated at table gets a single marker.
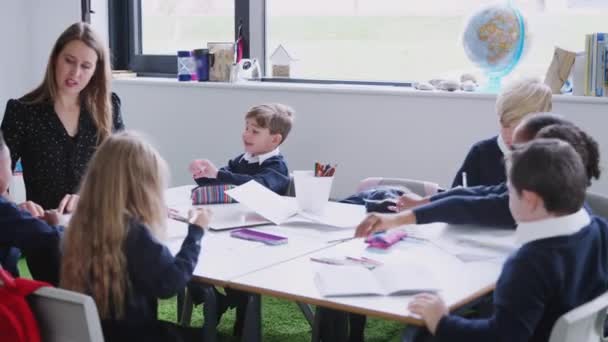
(488, 205)
(266, 127)
(26, 226)
(483, 164)
(112, 249)
(560, 265)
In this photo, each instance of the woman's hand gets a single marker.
(68, 204)
(53, 217)
(430, 307)
(200, 217)
(32, 208)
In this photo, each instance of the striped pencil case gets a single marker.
(212, 194)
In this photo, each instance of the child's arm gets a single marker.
(20, 229)
(520, 299)
(491, 210)
(152, 267)
(274, 176)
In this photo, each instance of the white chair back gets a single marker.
(66, 316)
(598, 204)
(583, 324)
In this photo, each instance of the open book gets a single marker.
(386, 280)
(279, 210)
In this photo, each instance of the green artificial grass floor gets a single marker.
(281, 320)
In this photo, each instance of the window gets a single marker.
(169, 26)
(410, 39)
(371, 40)
(145, 35)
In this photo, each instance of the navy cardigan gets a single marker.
(272, 173)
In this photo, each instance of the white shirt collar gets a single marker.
(502, 145)
(552, 227)
(260, 158)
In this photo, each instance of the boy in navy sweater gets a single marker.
(560, 264)
(26, 226)
(266, 127)
(488, 205)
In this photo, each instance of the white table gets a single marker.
(224, 258)
(286, 271)
(460, 282)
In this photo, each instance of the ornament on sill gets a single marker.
(281, 62)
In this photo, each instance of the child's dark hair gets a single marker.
(531, 125)
(583, 144)
(552, 169)
(278, 118)
(2, 142)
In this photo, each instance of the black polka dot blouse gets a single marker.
(53, 161)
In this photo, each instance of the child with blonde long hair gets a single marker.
(112, 250)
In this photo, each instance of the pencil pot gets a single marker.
(312, 193)
(201, 58)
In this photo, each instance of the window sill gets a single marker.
(338, 88)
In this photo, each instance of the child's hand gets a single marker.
(68, 204)
(430, 307)
(209, 170)
(32, 208)
(196, 168)
(200, 217)
(408, 201)
(376, 223)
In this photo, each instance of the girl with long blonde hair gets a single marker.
(111, 248)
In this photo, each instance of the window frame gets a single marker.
(126, 39)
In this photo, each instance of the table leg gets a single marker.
(307, 311)
(252, 331)
(210, 315)
(414, 333)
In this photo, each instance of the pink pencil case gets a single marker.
(385, 240)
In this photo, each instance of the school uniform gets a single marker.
(269, 169)
(484, 163)
(480, 205)
(560, 266)
(153, 273)
(21, 230)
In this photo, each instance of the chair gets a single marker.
(598, 204)
(421, 188)
(65, 316)
(583, 324)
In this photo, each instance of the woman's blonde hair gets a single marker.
(125, 180)
(522, 97)
(96, 96)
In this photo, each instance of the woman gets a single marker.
(55, 128)
(112, 250)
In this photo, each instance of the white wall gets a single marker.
(15, 57)
(387, 133)
(46, 21)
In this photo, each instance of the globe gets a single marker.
(494, 40)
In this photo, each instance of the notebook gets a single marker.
(387, 280)
(279, 210)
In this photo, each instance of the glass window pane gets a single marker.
(411, 39)
(171, 25)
